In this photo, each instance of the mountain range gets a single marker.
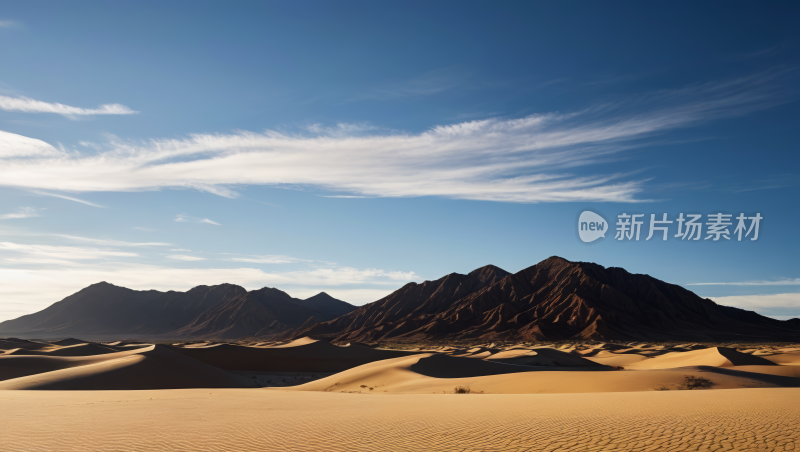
(553, 300)
(225, 311)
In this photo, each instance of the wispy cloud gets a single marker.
(183, 257)
(761, 302)
(68, 198)
(28, 105)
(63, 252)
(777, 282)
(269, 259)
(8, 24)
(529, 159)
(183, 218)
(110, 242)
(141, 228)
(22, 212)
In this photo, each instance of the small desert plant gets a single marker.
(462, 390)
(693, 382)
(363, 386)
(661, 388)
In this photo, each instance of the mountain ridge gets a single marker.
(555, 299)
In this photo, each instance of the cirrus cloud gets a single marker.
(536, 158)
(28, 105)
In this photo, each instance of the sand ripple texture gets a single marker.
(242, 420)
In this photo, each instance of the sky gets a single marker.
(353, 147)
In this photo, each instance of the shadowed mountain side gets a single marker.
(553, 300)
(104, 310)
(152, 368)
(327, 305)
(261, 313)
(308, 356)
(407, 308)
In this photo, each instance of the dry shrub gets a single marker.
(693, 382)
(462, 390)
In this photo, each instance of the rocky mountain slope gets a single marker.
(552, 300)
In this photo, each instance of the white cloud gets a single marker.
(7, 24)
(110, 242)
(69, 198)
(183, 218)
(28, 105)
(12, 145)
(28, 290)
(760, 302)
(527, 159)
(181, 249)
(62, 252)
(269, 259)
(183, 257)
(777, 282)
(140, 228)
(22, 212)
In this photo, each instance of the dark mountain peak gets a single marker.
(489, 273)
(270, 292)
(327, 305)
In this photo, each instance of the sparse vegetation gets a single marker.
(693, 382)
(462, 390)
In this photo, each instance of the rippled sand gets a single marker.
(278, 420)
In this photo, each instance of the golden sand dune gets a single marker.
(302, 355)
(436, 373)
(15, 366)
(67, 342)
(83, 349)
(714, 356)
(153, 367)
(791, 358)
(12, 344)
(261, 420)
(542, 356)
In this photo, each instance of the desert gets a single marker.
(309, 394)
(399, 226)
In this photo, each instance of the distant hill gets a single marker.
(104, 310)
(552, 300)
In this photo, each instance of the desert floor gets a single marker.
(270, 419)
(313, 395)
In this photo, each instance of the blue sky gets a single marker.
(353, 147)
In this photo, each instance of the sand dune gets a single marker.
(68, 341)
(437, 373)
(261, 420)
(15, 366)
(714, 356)
(541, 356)
(153, 367)
(301, 355)
(791, 358)
(83, 349)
